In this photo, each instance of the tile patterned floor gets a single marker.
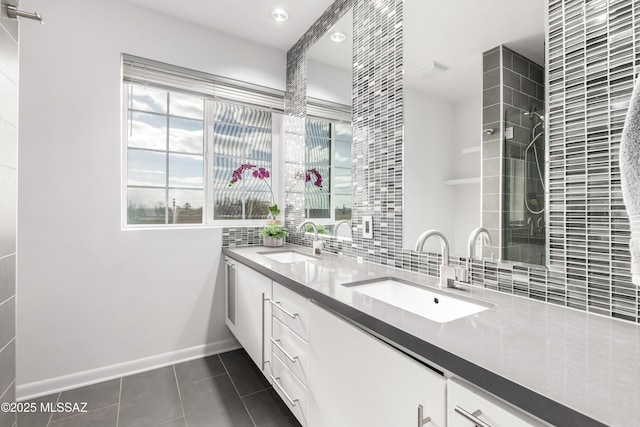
(218, 391)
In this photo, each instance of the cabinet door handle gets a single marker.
(421, 419)
(472, 416)
(262, 354)
(281, 308)
(293, 359)
(275, 381)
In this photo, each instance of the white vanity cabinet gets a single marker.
(247, 312)
(468, 406)
(357, 380)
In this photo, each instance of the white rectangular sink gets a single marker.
(435, 306)
(287, 257)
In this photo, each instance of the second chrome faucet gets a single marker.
(448, 273)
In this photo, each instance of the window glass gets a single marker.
(328, 160)
(241, 136)
(167, 175)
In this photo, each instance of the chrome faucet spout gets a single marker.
(448, 274)
(315, 228)
(473, 237)
(338, 224)
(318, 244)
(444, 243)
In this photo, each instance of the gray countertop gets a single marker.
(567, 367)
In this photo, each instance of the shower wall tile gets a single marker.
(590, 73)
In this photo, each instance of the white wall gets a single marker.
(436, 132)
(428, 160)
(467, 127)
(328, 83)
(93, 300)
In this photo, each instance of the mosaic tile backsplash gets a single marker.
(593, 55)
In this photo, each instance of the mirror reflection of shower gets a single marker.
(523, 228)
(535, 147)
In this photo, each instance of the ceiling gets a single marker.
(336, 54)
(246, 19)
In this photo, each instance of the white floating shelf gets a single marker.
(463, 181)
(471, 150)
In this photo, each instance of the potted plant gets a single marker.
(262, 174)
(273, 235)
(321, 229)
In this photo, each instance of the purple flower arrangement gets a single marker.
(318, 177)
(262, 174)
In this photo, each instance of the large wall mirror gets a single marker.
(328, 189)
(474, 127)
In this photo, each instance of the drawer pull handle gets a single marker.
(421, 419)
(473, 416)
(262, 355)
(293, 359)
(275, 381)
(281, 308)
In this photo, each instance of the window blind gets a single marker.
(148, 72)
(324, 110)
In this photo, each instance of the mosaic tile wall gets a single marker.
(592, 50)
(593, 47)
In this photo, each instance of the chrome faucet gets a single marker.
(447, 273)
(473, 237)
(318, 244)
(531, 225)
(338, 224)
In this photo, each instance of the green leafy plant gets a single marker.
(276, 231)
(321, 229)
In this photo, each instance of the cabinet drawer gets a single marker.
(290, 349)
(291, 309)
(464, 402)
(291, 390)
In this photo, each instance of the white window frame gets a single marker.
(332, 199)
(277, 158)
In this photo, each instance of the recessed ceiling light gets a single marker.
(279, 15)
(337, 37)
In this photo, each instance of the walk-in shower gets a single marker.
(524, 187)
(523, 148)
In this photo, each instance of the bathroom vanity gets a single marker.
(339, 357)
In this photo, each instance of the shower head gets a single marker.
(532, 113)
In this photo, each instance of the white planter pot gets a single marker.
(271, 242)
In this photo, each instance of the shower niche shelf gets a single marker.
(462, 181)
(471, 150)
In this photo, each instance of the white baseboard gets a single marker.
(93, 376)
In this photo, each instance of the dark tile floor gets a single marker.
(222, 390)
